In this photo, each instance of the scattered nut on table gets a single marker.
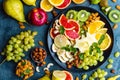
(114, 1)
(118, 7)
(115, 26)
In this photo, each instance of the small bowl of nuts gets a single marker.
(38, 55)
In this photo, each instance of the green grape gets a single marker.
(117, 54)
(98, 70)
(83, 64)
(19, 50)
(100, 75)
(11, 42)
(84, 76)
(16, 52)
(18, 36)
(105, 73)
(16, 46)
(18, 42)
(18, 57)
(101, 58)
(26, 34)
(29, 31)
(86, 60)
(10, 54)
(22, 37)
(15, 60)
(21, 54)
(102, 78)
(32, 45)
(85, 67)
(8, 58)
(91, 78)
(26, 42)
(31, 41)
(2, 53)
(13, 39)
(109, 66)
(13, 57)
(95, 63)
(100, 54)
(97, 56)
(29, 46)
(9, 47)
(34, 33)
(110, 60)
(95, 74)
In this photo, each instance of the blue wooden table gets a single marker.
(9, 27)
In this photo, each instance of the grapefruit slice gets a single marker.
(72, 34)
(63, 20)
(68, 75)
(56, 2)
(65, 4)
(53, 33)
(74, 26)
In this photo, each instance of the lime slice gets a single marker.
(61, 41)
(58, 75)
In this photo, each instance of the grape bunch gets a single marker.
(18, 44)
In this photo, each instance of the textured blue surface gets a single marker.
(9, 27)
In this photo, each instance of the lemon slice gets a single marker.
(100, 32)
(78, 1)
(82, 45)
(95, 26)
(106, 42)
(58, 75)
(46, 6)
(61, 41)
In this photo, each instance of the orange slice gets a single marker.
(78, 1)
(56, 2)
(95, 26)
(46, 6)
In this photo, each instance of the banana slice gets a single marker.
(54, 48)
(60, 52)
(71, 59)
(61, 59)
(68, 54)
(65, 57)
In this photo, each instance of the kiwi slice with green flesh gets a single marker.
(114, 16)
(83, 15)
(71, 14)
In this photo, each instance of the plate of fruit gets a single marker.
(80, 39)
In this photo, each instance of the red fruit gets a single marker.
(72, 34)
(53, 33)
(63, 20)
(68, 75)
(65, 4)
(37, 17)
(72, 25)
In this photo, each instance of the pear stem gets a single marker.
(3, 61)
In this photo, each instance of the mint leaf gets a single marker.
(81, 56)
(23, 63)
(101, 39)
(27, 71)
(62, 30)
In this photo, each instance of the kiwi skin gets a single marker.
(112, 17)
(72, 13)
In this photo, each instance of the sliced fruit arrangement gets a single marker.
(74, 44)
(61, 75)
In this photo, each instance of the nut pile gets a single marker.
(39, 55)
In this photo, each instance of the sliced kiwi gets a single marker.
(71, 14)
(114, 16)
(83, 15)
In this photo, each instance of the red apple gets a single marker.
(37, 17)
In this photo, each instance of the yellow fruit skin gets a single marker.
(14, 8)
(46, 77)
(30, 2)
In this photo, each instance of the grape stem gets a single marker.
(3, 61)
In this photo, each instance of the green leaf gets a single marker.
(27, 71)
(101, 39)
(62, 30)
(22, 75)
(23, 63)
(70, 49)
(81, 56)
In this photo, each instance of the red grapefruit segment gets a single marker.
(72, 34)
(75, 25)
(63, 20)
(65, 4)
(68, 75)
(53, 33)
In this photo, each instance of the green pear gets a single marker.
(14, 8)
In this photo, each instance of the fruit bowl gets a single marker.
(106, 53)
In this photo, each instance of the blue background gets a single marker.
(9, 27)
